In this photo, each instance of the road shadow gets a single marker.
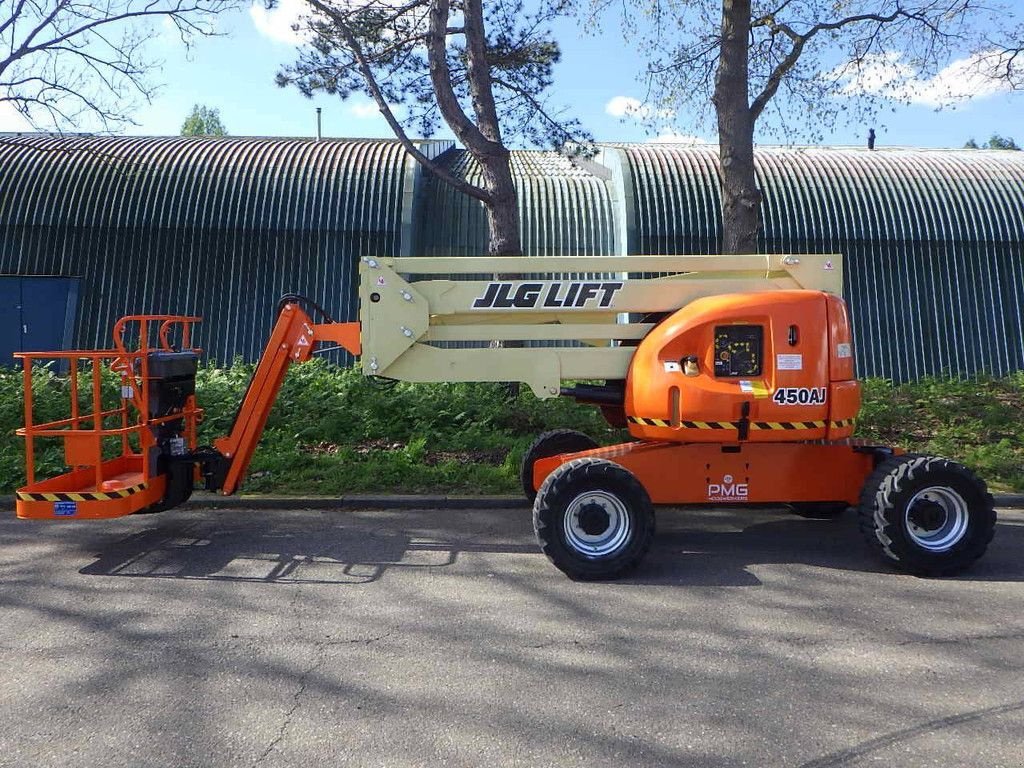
(282, 547)
(700, 547)
(693, 547)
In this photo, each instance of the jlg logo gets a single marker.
(548, 295)
(727, 490)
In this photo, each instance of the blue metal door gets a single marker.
(10, 319)
(36, 314)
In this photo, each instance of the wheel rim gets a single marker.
(596, 524)
(936, 519)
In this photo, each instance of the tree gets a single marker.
(995, 142)
(484, 71)
(735, 57)
(1001, 57)
(203, 121)
(76, 65)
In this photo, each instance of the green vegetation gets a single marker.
(995, 142)
(334, 431)
(203, 121)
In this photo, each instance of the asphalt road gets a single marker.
(394, 638)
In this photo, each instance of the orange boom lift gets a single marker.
(734, 376)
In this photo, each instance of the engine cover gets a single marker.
(766, 367)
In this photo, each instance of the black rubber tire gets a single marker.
(550, 444)
(883, 514)
(564, 486)
(819, 510)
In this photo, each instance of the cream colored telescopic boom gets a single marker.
(416, 327)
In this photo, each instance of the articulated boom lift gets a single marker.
(733, 374)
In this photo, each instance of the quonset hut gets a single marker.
(94, 228)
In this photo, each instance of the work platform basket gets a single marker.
(116, 443)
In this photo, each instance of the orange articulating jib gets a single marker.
(291, 341)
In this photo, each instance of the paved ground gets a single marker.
(391, 638)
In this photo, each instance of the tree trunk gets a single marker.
(741, 200)
(503, 211)
(489, 150)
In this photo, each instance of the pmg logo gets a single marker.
(727, 490)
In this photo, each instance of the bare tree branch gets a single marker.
(92, 52)
(385, 109)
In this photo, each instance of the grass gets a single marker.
(333, 431)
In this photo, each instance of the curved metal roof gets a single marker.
(564, 209)
(235, 183)
(220, 226)
(933, 240)
(817, 193)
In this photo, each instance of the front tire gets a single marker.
(550, 444)
(593, 519)
(926, 515)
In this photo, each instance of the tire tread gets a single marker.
(877, 514)
(590, 472)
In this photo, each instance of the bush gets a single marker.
(334, 431)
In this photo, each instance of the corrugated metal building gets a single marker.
(933, 240)
(216, 227)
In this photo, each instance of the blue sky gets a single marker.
(597, 78)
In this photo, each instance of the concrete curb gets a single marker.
(402, 501)
(356, 501)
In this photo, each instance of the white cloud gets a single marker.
(277, 24)
(364, 110)
(886, 75)
(367, 110)
(627, 106)
(11, 121)
(671, 137)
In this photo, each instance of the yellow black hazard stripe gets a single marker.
(756, 425)
(123, 493)
(685, 424)
(787, 425)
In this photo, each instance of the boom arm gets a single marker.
(589, 311)
(291, 341)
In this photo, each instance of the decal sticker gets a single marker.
(728, 490)
(755, 388)
(671, 366)
(380, 281)
(844, 350)
(789, 362)
(800, 396)
(65, 508)
(828, 266)
(547, 295)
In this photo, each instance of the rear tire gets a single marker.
(550, 444)
(593, 519)
(926, 515)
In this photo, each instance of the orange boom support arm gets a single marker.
(292, 341)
